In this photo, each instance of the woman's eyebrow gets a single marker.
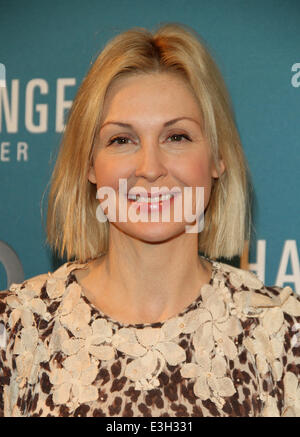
(168, 123)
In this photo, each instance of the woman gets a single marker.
(139, 324)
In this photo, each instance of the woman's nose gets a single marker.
(150, 163)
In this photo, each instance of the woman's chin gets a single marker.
(152, 232)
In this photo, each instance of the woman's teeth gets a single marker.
(156, 199)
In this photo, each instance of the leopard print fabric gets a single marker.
(235, 351)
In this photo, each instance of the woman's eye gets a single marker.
(179, 137)
(117, 140)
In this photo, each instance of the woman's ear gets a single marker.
(91, 175)
(221, 168)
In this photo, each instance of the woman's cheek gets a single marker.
(196, 174)
(107, 175)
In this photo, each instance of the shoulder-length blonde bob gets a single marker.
(73, 230)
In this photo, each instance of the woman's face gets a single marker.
(151, 137)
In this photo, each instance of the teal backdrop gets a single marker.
(46, 48)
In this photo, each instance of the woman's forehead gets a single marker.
(150, 93)
(147, 83)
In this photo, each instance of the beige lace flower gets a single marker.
(90, 340)
(151, 348)
(239, 277)
(74, 313)
(268, 338)
(63, 271)
(266, 351)
(211, 381)
(29, 350)
(76, 377)
(246, 303)
(55, 287)
(218, 325)
(289, 303)
(24, 304)
(30, 353)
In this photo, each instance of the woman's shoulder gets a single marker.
(268, 311)
(247, 288)
(32, 295)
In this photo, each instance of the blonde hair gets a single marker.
(72, 227)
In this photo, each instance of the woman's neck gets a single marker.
(144, 283)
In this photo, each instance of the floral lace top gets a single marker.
(235, 351)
